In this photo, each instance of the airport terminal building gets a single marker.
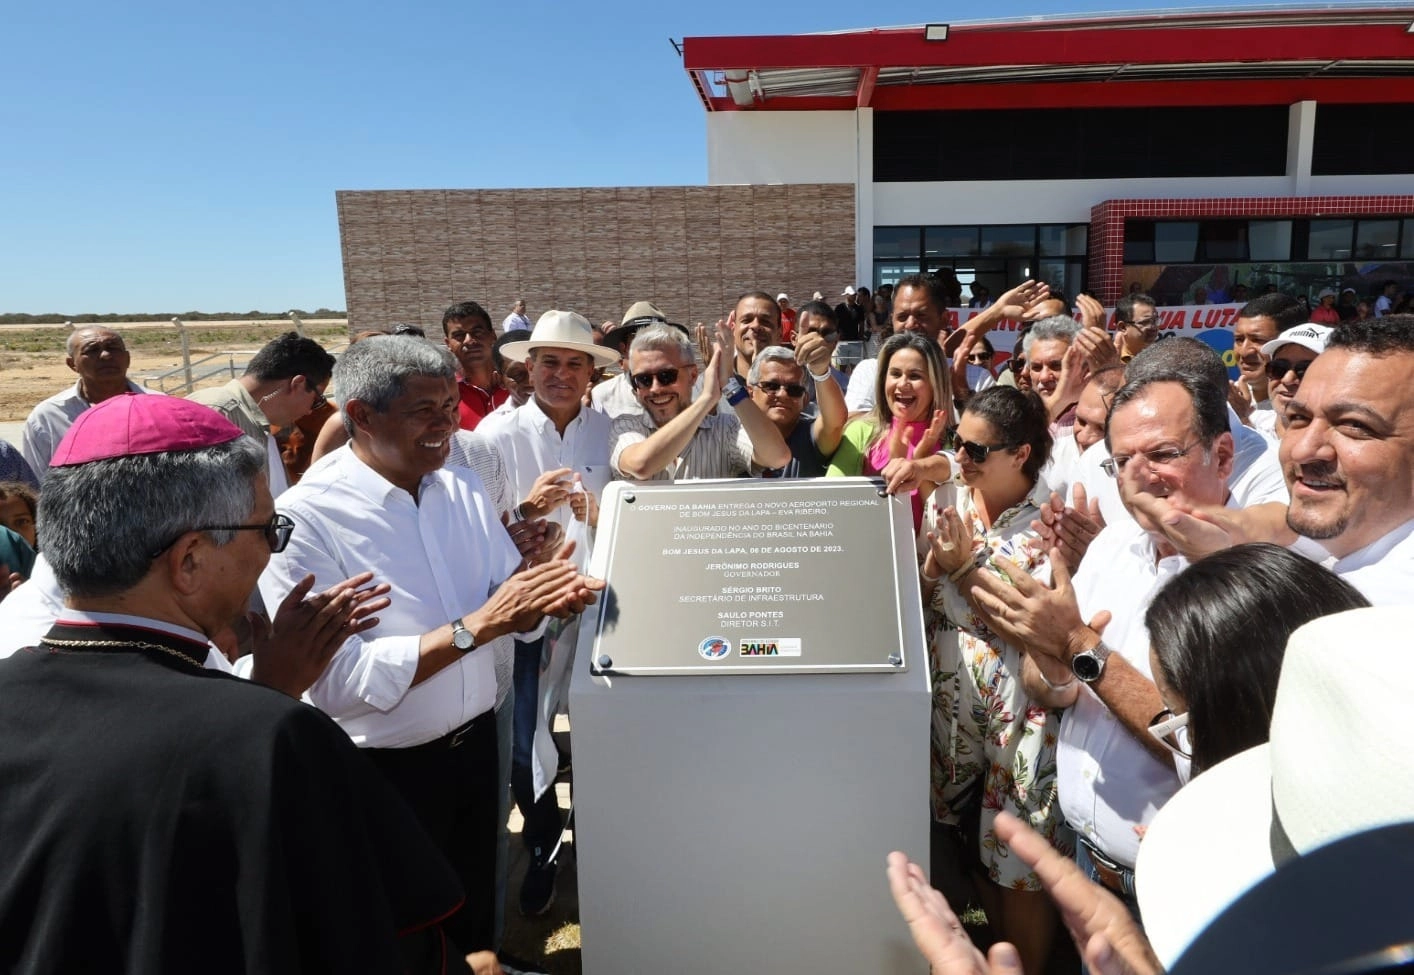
(1179, 150)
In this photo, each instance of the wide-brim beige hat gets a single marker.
(1338, 764)
(561, 330)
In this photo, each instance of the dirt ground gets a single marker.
(32, 357)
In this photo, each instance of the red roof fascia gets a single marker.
(978, 47)
(1102, 94)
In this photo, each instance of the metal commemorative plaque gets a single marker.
(754, 577)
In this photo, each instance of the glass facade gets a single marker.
(996, 255)
(1183, 261)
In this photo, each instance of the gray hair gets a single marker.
(1192, 364)
(101, 522)
(1055, 327)
(772, 353)
(375, 372)
(664, 338)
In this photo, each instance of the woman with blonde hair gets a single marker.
(912, 408)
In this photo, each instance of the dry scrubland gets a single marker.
(32, 356)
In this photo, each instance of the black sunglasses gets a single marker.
(980, 358)
(793, 390)
(644, 380)
(1277, 368)
(277, 533)
(979, 452)
(402, 329)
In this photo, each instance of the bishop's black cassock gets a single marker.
(159, 817)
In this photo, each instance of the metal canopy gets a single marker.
(1251, 56)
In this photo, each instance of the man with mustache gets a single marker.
(1348, 457)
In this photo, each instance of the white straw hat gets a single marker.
(561, 330)
(1338, 763)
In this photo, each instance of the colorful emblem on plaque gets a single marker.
(714, 648)
(788, 646)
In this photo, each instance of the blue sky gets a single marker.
(163, 156)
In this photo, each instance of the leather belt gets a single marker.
(1117, 877)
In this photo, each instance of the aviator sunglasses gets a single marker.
(979, 452)
(793, 390)
(1277, 368)
(644, 380)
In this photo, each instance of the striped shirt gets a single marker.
(719, 448)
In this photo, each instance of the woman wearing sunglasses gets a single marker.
(993, 747)
(912, 406)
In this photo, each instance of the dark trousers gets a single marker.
(451, 785)
(542, 816)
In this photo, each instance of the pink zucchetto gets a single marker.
(132, 424)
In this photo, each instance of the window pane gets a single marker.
(1139, 242)
(1224, 240)
(1009, 241)
(896, 242)
(1376, 239)
(1064, 240)
(889, 272)
(950, 241)
(1409, 237)
(1269, 240)
(1330, 240)
(1175, 242)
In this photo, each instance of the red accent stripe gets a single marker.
(424, 925)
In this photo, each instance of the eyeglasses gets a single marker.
(319, 401)
(1278, 368)
(402, 329)
(979, 452)
(1143, 323)
(1018, 364)
(277, 533)
(828, 334)
(1154, 458)
(665, 377)
(1171, 731)
(793, 390)
(980, 359)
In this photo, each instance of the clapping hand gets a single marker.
(292, 650)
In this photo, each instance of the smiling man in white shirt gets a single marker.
(1088, 649)
(557, 453)
(417, 691)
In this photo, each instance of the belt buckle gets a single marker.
(459, 737)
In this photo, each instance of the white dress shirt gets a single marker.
(859, 398)
(531, 445)
(443, 555)
(1108, 781)
(50, 420)
(614, 397)
(1383, 571)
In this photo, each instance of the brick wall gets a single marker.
(408, 254)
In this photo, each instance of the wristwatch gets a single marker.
(735, 391)
(1088, 665)
(461, 637)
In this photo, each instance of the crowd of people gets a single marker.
(1143, 586)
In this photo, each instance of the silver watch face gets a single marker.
(461, 637)
(1086, 666)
